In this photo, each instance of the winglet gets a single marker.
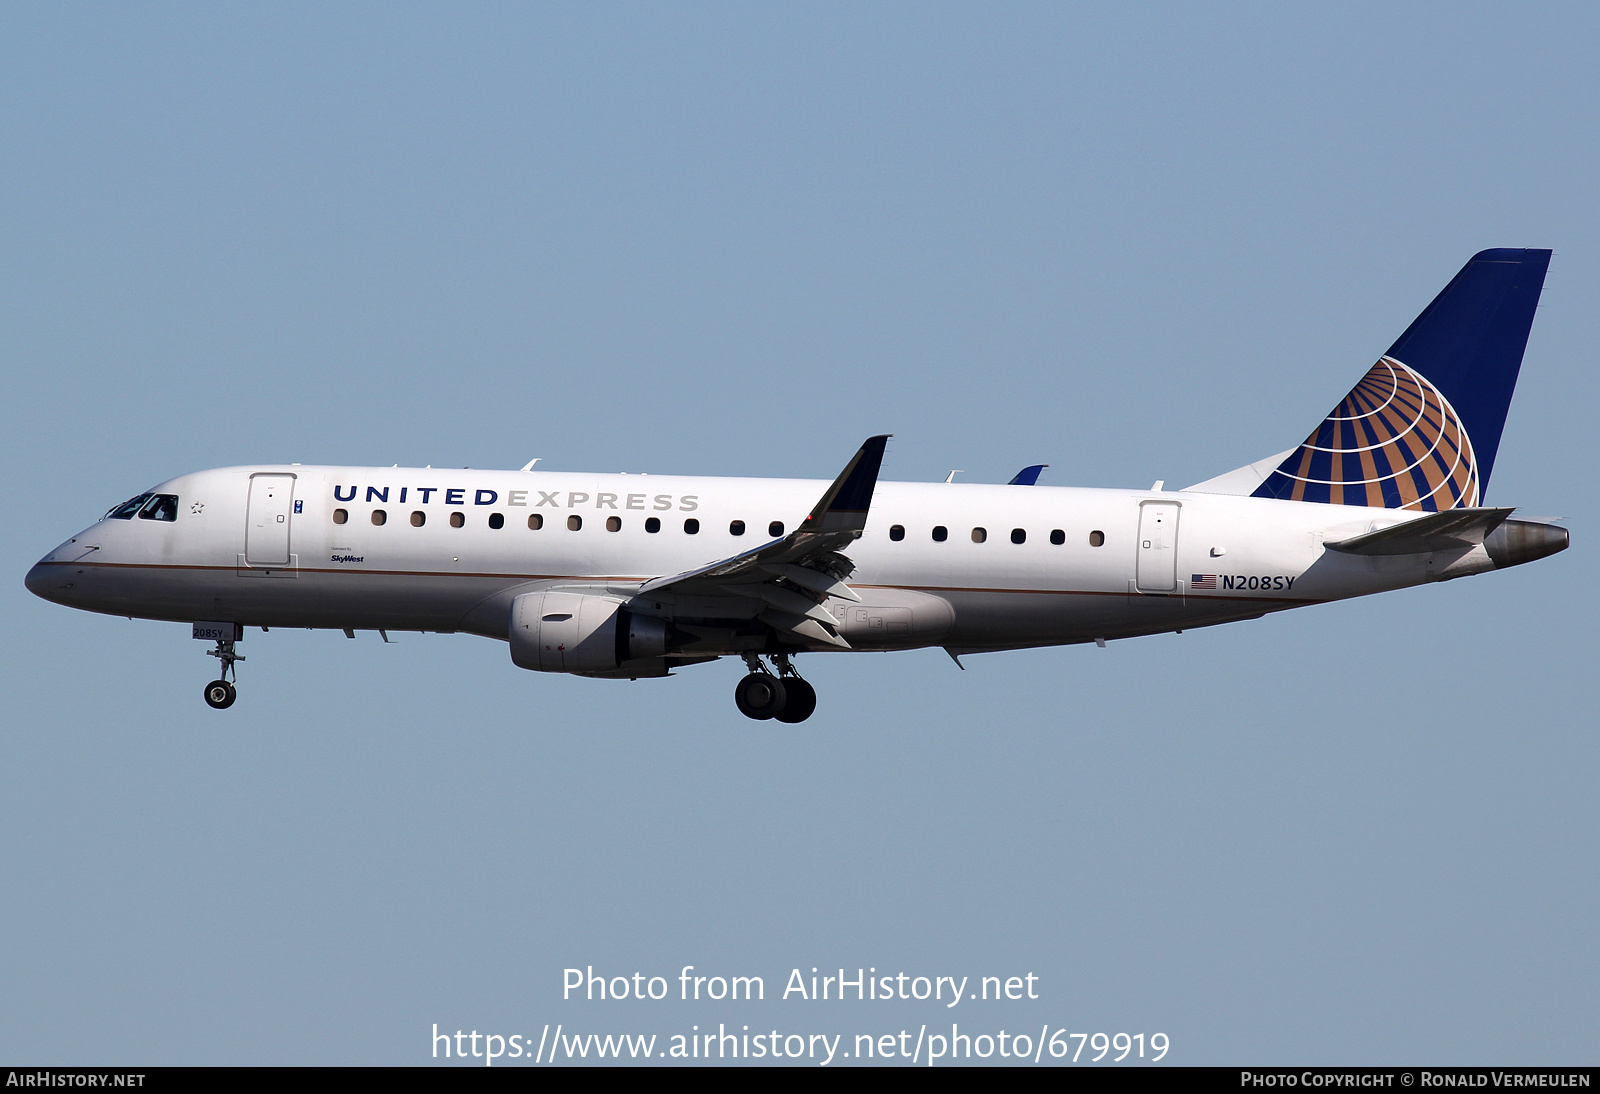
(1028, 476)
(844, 507)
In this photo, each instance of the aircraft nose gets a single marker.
(38, 579)
(51, 580)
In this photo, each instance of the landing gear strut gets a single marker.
(220, 694)
(782, 696)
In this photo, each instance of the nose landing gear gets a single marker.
(782, 696)
(220, 694)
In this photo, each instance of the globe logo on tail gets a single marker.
(1395, 441)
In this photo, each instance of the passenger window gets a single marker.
(1018, 535)
(940, 533)
(736, 528)
(418, 518)
(535, 521)
(126, 510)
(691, 526)
(897, 532)
(497, 520)
(613, 524)
(1057, 536)
(775, 529)
(379, 517)
(1097, 539)
(458, 520)
(160, 507)
(980, 534)
(652, 525)
(574, 522)
(340, 516)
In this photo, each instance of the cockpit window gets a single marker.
(126, 510)
(160, 507)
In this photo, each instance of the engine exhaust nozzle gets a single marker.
(1519, 541)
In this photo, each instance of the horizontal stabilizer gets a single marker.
(1451, 530)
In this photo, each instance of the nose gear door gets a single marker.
(266, 533)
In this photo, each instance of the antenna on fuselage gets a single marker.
(952, 476)
(529, 465)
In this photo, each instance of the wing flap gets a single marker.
(785, 600)
(824, 584)
(806, 628)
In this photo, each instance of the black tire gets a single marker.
(220, 695)
(801, 701)
(760, 696)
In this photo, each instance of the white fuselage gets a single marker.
(1129, 562)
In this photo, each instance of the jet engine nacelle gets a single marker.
(556, 631)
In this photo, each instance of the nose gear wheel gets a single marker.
(220, 693)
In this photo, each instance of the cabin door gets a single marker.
(266, 533)
(1157, 567)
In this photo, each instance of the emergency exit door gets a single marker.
(266, 533)
(1157, 568)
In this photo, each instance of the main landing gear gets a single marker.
(782, 696)
(220, 694)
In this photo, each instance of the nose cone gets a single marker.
(55, 577)
(52, 582)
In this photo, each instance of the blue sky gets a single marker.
(1133, 243)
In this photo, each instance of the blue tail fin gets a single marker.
(1421, 429)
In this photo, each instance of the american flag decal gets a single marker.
(1203, 582)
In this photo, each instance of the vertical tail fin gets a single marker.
(1421, 429)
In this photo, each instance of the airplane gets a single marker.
(634, 576)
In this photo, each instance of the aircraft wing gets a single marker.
(1451, 529)
(788, 578)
